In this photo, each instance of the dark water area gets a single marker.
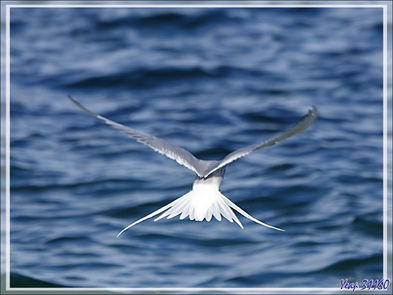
(210, 80)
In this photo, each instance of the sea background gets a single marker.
(210, 80)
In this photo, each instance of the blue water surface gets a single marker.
(210, 80)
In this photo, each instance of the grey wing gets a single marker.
(173, 152)
(305, 122)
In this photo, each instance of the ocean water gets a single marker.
(210, 80)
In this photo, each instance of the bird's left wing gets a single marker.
(173, 152)
(304, 123)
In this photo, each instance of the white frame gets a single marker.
(387, 269)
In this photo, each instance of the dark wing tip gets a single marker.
(73, 100)
(82, 107)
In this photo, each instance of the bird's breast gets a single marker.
(207, 184)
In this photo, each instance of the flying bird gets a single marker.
(204, 200)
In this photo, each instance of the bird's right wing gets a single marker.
(173, 152)
(304, 123)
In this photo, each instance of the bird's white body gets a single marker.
(204, 200)
(205, 197)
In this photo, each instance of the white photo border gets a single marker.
(387, 138)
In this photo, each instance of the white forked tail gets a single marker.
(198, 206)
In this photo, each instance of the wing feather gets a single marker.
(173, 152)
(304, 123)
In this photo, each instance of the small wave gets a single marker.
(21, 281)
